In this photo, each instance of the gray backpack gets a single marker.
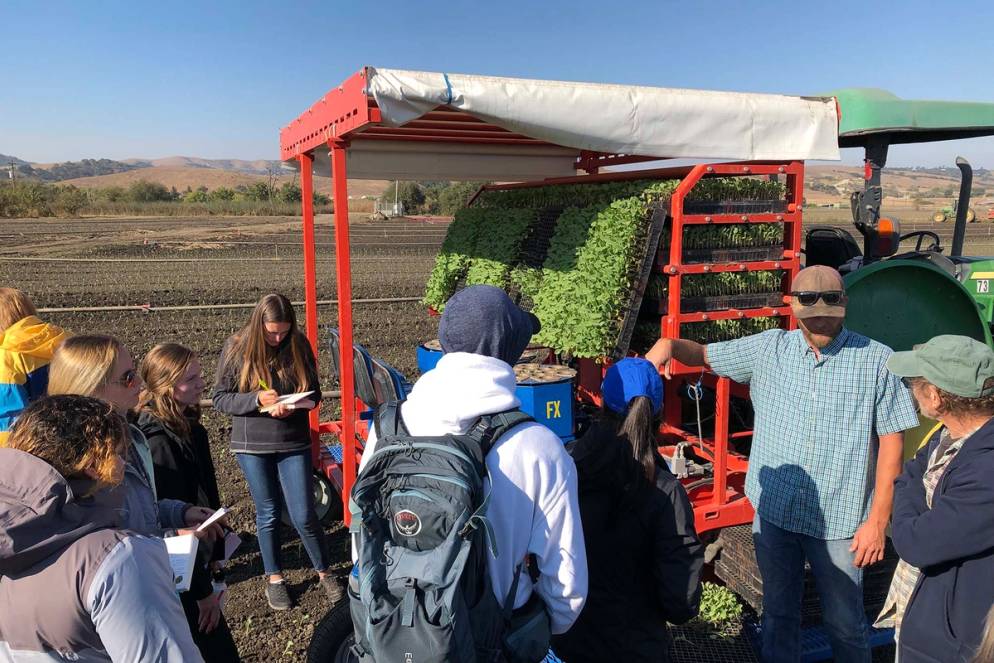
(419, 522)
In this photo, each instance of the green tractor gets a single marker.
(905, 289)
(947, 213)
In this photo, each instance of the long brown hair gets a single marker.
(638, 429)
(986, 652)
(74, 434)
(161, 370)
(289, 362)
(14, 306)
(83, 365)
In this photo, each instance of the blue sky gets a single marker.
(218, 79)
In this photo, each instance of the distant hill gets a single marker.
(58, 172)
(824, 184)
(259, 166)
(182, 177)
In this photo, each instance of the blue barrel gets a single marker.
(550, 404)
(428, 357)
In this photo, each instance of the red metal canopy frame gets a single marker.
(343, 116)
(348, 114)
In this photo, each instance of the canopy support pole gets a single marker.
(343, 267)
(310, 283)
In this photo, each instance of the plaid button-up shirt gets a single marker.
(813, 460)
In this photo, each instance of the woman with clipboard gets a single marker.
(169, 416)
(268, 357)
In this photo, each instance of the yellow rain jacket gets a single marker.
(26, 348)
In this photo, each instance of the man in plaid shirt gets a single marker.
(827, 447)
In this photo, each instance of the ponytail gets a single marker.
(639, 429)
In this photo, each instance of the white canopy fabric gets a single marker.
(611, 119)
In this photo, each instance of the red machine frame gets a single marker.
(347, 113)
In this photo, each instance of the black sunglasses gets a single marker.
(810, 298)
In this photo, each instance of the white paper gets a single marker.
(182, 558)
(290, 399)
(231, 543)
(220, 513)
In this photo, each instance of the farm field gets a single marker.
(185, 264)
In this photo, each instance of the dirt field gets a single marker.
(175, 261)
(205, 264)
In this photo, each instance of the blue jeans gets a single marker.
(781, 556)
(274, 479)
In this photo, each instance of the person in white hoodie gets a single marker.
(533, 505)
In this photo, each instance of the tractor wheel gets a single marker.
(939, 217)
(333, 637)
(971, 216)
(327, 502)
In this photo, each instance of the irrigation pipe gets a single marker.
(206, 307)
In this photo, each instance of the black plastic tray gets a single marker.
(648, 259)
(748, 254)
(735, 207)
(719, 303)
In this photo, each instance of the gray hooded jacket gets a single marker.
(73, 588)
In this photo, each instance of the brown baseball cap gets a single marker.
(818, 278)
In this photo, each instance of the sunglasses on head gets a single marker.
(128, 379)
(810, 298)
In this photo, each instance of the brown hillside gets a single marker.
(212, 178)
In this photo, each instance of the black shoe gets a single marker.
(278, 596)
(332, 588)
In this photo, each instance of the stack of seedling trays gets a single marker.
(580, 256)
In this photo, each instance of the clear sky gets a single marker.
(218, 79)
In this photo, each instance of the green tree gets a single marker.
(289, 193)
(221, 193)
(69, 201)
(198, 196)
(455, 196)
(409, 194)
(144, 191)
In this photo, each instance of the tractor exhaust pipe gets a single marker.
(963, 206)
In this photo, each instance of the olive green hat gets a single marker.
(956, 364)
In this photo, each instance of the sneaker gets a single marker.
(278, 596)
(332, 588)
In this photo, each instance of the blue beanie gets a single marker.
(482, 320)
(628, 379)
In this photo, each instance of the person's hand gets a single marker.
(661, 354)
(209, 613)
(281, 411)
(198, 514)
(267, 398)
(868, 543)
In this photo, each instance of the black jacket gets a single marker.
(644, 559)
(953, 544)
(184, 469)
(253, 431)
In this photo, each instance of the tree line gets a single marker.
(36, 199)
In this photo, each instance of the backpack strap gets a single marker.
(387, 420)
(491, 427)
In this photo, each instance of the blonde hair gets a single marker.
(14, 306)
(83, 365)
(74, 434)
(986, 652)
(259, 360)
(161, 370)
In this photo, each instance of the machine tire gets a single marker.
(971, 216)
(333, 637)
(327, 502)
(939, 217)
